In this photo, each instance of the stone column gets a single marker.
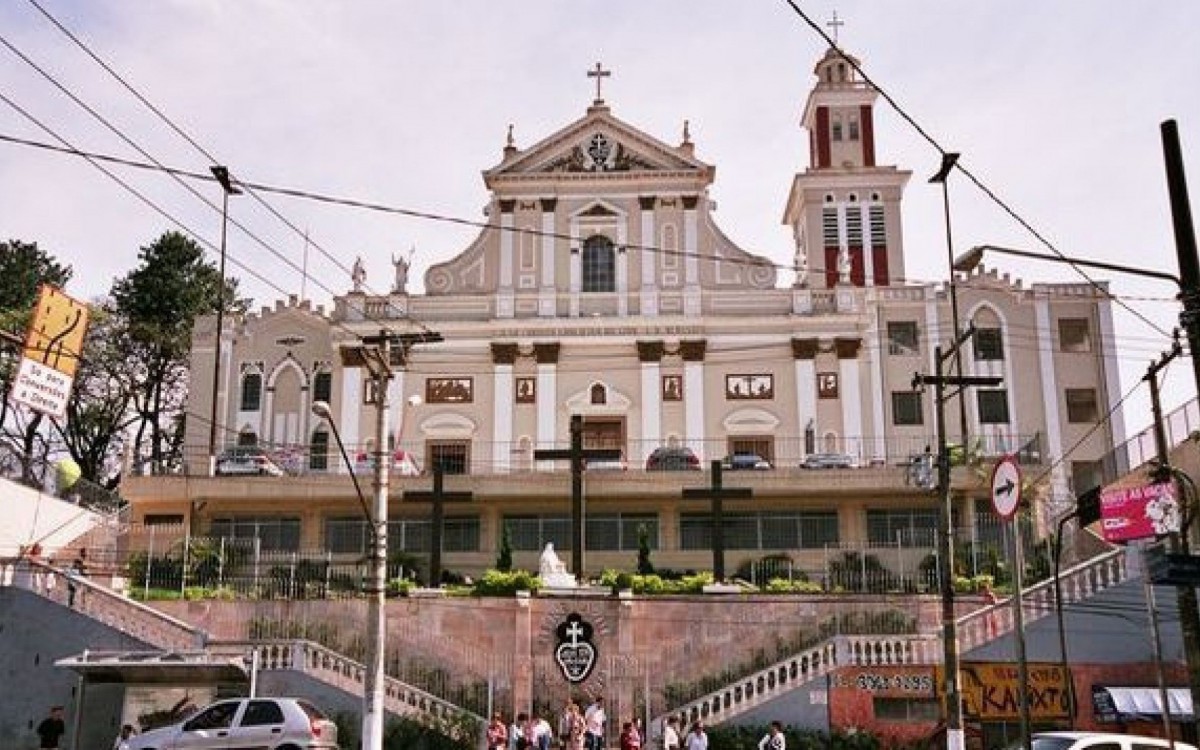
(505, 306)
(352, 383)
(548, 292)
(804, 352)
(546, 356)
(650, 355)
(1050, 400)
(693, 394)
(875, 354)
(649, 260)
(503, 357)
(849, 372)
(522, 676)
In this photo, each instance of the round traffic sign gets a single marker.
(1006, 487)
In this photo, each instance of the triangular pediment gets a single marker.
(597, 144)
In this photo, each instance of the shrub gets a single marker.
(507, 583)
(797, 586)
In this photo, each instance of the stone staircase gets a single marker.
(169, 634)
(974, 629)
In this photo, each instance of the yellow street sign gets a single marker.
(55, 337)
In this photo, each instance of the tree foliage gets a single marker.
(159, 302)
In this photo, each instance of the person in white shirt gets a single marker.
(696, 739)
(773, 739)
(594, 719)
(670, 736)
(543, 734)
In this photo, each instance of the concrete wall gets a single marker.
(34, 633)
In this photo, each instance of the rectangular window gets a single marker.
(854, 226)
(345, 535)
(989, 344)
(1081, 405)
(251, 392)
(906, 710)
(454, 456)
(906, 408)
(915, 527)
(274, 533)
(902, 338)
(829, 225)
(761, 531)
(1074, 335)
(619, 531)
(323, 387)
(993, 405)
(853, 128)
(531, 533)
(878, 227)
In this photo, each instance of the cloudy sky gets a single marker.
(1055, 106)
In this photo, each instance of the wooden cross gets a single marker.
(717, 493)
(599, 73)
(577, 455)
(438, 497)
(835, 24)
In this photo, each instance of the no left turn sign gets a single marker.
(1006, 487)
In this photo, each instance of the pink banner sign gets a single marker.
(1139, 512)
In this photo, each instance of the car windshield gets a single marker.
(1051, 743)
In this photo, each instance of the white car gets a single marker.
(267, 723)
(403, 463)
(247, 460)
(1101, 741)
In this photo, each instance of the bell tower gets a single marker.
(844, 209)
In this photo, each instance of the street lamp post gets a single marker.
(227, 189)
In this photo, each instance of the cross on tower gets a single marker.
(835, 24)
(437, 497)
(599, 73)
(716, 493)
(577, 455)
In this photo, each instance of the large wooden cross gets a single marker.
(577, 455)
(438, 497)
(716, 492)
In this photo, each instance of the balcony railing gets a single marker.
(483, 457)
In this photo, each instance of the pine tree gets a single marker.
(644, 566)
(504, 559)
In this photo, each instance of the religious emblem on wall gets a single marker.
(526, 390)
(450, 390)
(750, 387)
(575, 654)
(672, 387)
(827, 385)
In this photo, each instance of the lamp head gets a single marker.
(969, 260)
(321, 410)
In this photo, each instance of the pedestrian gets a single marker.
(122, 741)
(696, 739)
(517, 739)
(77, 571)
(670, 736)
(594, 720)
(51, 730)
(773, 739)
(565, 719)
(542, 734)
(497, 733)
(631, 739)
(578, 729)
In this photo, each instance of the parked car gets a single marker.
(745, 461)
(268, 723)
(829, 461)
(673, 458)
(247, 460)
(1100, 741)
(403, 463)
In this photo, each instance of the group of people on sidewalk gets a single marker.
(585, 730)
(51, 729)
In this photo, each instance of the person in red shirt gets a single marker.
(631, 739)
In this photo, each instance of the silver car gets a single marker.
(268, 723)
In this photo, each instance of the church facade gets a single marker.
(602, 287)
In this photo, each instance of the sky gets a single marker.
(1055, 107)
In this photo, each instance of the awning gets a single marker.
(155, 667)
(1132, 703)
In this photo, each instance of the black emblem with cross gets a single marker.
(575, 654)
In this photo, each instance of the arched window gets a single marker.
(599, 394)
(251, 391)
(318, 451)
(836, 127)
(599, 265)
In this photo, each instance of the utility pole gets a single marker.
(955, 735)
(1189, 285)
(377, 355)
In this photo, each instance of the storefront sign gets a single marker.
(1139, 512)
(991, 691)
